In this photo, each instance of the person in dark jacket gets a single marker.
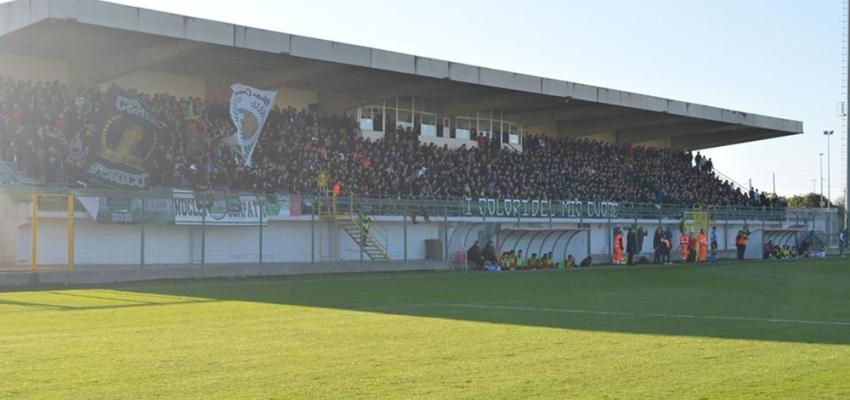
(631, 246)
(641, 234)
(473, 257)
(668, 245)
(490, 252)
(657, 245)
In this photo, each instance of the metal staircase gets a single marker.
(372, 240)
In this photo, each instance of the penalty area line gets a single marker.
(622, 314)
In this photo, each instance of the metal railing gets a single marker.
(445, 207)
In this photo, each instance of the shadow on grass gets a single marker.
(805, 302)
(122, 303)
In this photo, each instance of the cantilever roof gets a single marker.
(102, 40)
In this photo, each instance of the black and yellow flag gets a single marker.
(128, 137)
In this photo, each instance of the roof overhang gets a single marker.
(102, 40)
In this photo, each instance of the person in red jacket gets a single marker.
(618, 246)
(683, 246)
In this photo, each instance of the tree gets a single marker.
(811, 200)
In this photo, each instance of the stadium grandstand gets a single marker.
(365, 126)
(191, 209)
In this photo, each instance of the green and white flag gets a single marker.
(249, 109)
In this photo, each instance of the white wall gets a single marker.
(283, 241)
(290, 240)
(451, 143)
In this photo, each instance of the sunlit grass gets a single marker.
(575, 334)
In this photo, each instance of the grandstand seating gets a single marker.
(49, 130)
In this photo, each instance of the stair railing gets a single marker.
(378, 234)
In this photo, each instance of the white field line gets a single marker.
(622, 314)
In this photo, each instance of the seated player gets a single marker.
(521, 262)
(550, 260)
(514, 260)
(569, 262)
(533, 262)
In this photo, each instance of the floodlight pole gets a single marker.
(828, 170)
(847, 134)
(821, 180)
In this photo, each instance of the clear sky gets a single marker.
(780, 58)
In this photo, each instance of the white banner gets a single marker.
(540, 208)
(249, 109)
(241, 210)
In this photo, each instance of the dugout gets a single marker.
(560, 242)
(791, 236)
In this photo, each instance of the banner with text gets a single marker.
(128, 136)
(243, 210)
(515, 208)
(125, 210)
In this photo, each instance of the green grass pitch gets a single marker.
(761, 330)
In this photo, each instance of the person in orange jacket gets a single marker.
(703, 245)
(683, 246)
(618, 246)
(692, 248)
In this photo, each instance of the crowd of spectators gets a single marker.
(49, 130)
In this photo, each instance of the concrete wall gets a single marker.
(162, 82)
(296, 98)
(8, 230)
(21, 13)
(33, 69)
(294, 239)
(283, 241)
(659, 143)
(607, 137)
(27, 68)
(547, 129)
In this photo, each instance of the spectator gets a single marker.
(49, 131)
